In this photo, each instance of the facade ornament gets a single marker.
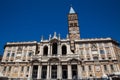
(41, 38)
(67, 37)
(50, 37)
(54, 37)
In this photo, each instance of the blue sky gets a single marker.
(27, 20)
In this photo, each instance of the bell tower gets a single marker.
(73, 27)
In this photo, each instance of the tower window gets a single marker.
(54, 49)
(75, 24)
(45, 53)
(71, 24)
(64, 50)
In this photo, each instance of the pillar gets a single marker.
(48, 71)
(19, 70)
(79, 71)
(30, 72)
(59, 49)
(39, 72)
(118, 68)
(59, 71)
(69, 72)
(25, 68)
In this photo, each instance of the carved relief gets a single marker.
(94, 47)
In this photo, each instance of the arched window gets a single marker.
(64, 50)
(54, 49)
(30, 54)
(45, 51)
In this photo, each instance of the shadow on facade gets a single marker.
(3, 78)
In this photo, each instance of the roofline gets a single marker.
(20, 43)
(97, 40)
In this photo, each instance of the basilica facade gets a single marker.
(56, 58)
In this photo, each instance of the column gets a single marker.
(93, 68)
(90, 53)
(49, 53)
(48, 71)
(6, 70)
(30, 72)
(99, 51)
(69, 72)
(19, 71)
(105, 52)
(11, 71)
(108, 66)
(51, 49)
(118, 68)
(59, 49)
(41, 49)
(39, 72)
(59, 71)
(86, 69)
(79, 71)
(113, 52)
(26, 56)
(25, 68)
(103, 72)
(85, 56)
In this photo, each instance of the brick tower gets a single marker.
(73, 27)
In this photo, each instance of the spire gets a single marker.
(55, 36)
(71, 10)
